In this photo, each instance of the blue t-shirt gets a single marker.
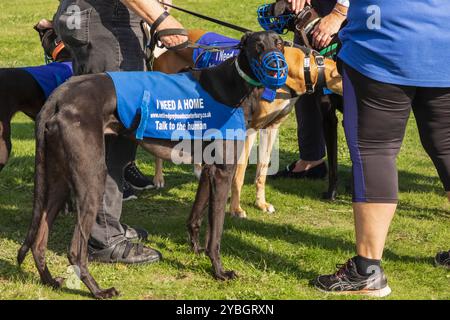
(405, 42)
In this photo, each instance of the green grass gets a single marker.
(275, 255)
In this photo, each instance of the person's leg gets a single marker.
(431, 108)
(375, 118)
(311, 142)
(107, 27)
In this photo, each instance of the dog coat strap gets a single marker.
(321, 70)
(307, 71)
(144, 112)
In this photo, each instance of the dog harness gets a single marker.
(51, 75)
(173, 107)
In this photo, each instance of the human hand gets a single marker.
(171, 40)
(326, 29)
(298, 5)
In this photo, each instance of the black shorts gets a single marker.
(375, 118)
(103, 35)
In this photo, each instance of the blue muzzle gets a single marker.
(269, 22)
(271, 70)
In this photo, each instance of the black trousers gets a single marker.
(103, 35)
(375, 118)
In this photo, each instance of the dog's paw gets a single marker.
(107, 294)
(238, 213)
(58, 282)
(266, 207)
(226, 275)
(158, 182)
(196, 248)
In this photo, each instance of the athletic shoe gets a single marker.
(347, 280)
(128, 192)
(126, 252)
(136, 178)
(442, 259)
(318, 172)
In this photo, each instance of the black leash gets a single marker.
(198, 15)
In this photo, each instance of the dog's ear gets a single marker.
(280, 7)
(43, 24)
(245, 38)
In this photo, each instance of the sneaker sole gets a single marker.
(150, 186)
(133, 197)
(370, 293)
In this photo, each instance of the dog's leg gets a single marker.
(88, 175)
(330, 122)
(198, 210)
(238, 179)
(158, 179)
(5, 141)
(267, 139)
(220, 181)
(57, 195)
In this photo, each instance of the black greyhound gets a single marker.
(70, 155)
(20, 92)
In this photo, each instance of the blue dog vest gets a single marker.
(51, 75)
(206, 59)
(174, 107)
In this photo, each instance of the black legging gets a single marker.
(375, 118)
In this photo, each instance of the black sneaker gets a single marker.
(318, 172)
(348, 281)
(126, 252)
(442, 259)
(128, 192)
(136, 178)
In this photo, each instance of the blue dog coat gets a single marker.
(206, 59)
(51, 75)
(174, 107)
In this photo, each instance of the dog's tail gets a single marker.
(40, 184)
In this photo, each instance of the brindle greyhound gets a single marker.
(70, 157)
(265, 115)
(20, 92)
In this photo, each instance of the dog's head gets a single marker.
(264, 52)
(296, 79)
(276, 17)
(54, 49)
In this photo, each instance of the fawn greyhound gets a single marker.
(266, 115)
(85, 109)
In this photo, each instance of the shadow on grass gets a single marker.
(408, 181)
(167, 218)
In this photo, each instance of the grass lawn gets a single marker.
(274, 255)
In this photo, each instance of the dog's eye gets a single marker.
(279, 44)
